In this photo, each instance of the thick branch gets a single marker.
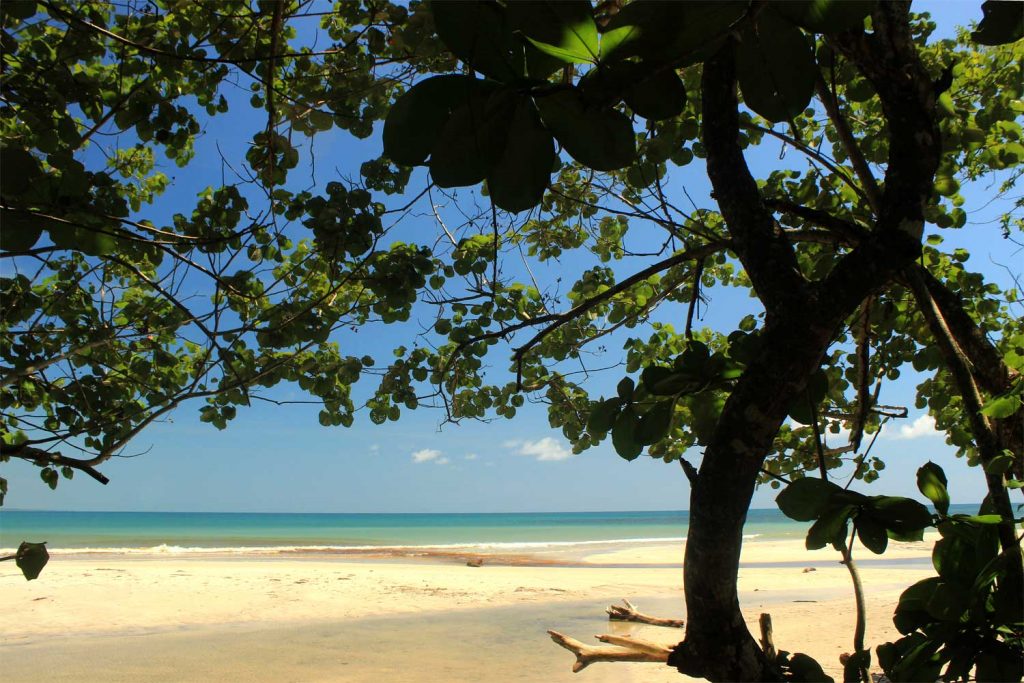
(984, 436)
(41, 457)
(767, 256)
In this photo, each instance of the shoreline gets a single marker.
(208, 610)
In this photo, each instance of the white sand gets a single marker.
(223, 612)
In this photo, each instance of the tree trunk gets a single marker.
(718, 644)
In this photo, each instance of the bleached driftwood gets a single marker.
(620, 649)
(628, 612)
(767, 637)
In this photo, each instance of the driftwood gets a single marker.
(628, 612)
(767, 640)
(619, 649)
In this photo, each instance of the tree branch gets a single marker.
(41, 457)
(766, 255)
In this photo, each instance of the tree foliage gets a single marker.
(554, 137)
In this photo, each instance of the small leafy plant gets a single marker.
(969, 618)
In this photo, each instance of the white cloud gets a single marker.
(546, 449)
(426, 455)
(374, 448)
(471, 456)
(920, 428)
(442, 461)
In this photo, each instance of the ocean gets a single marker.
(275, 533)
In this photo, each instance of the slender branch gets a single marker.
(858, 596)
(863, 373)
(810, 152)
(860, 165)
(701, 252)
(183, 57)
(14, 374)
(694, 297)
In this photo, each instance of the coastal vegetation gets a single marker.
(551, 133)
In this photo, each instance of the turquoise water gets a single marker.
(128, 531)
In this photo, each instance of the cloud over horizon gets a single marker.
(544, 450)
(429, 455)
(922, 427)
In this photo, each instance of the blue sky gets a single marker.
(278, 458)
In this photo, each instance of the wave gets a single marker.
(424, 549)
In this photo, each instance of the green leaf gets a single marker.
(805, 499)
(31, 558)
(661, 95)
(1003, 22)
(705, 409)
(776, 68)
(415, 121)
(623, 435)
(871, 533)
(1001, 406)
(472, 140)
(910, 610)
(901, 515)
(979, 519)
(603, 414)
(1001, 464)
(678, 32)
(18, 171)
(598, 137)
(20, 231)
(476, 32)
(956, 560)
(814, 393)
(539, 65)
(655, 423)
(931, 481)
(523, 171)
(662, 381)
(625, 389)
(831, 527)
(561, 28)
(826, 16)
(948, 602)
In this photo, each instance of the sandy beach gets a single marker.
(316, 618)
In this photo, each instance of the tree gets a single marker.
(117, 309)
(838, 250)
(607, 99)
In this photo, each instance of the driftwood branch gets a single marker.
(628, 612)
(621, 649)
(767, 638)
